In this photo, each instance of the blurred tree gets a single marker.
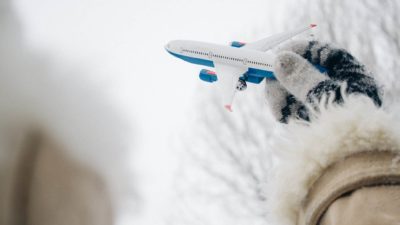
(226, 160)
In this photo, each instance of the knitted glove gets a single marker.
(299, 81)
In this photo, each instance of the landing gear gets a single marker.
(241, 85)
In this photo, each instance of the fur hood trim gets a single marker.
(304, 151)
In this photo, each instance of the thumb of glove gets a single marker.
(296, 74)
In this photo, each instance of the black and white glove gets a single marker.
(299, 82)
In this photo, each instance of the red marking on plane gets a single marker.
(229, 108)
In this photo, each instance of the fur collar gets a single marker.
(304, 151)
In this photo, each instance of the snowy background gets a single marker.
(195, 163)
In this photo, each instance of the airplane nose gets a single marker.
(167, 46)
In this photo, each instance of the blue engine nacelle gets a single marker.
(237, 44)
(208, 76)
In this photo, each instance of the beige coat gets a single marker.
(45, 186)
(363, 188)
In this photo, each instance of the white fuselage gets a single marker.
(207, 54)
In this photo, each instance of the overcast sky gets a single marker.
(120, 45)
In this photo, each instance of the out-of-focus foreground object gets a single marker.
(62, 144)
(46, 186)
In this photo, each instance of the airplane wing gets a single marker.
(270, 42)
(228, 77)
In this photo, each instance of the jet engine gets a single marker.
(208, 76)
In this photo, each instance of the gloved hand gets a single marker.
(299, 82)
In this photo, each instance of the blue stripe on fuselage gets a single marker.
(193, 60)
(251, 72)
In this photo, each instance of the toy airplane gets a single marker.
(235, 64)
